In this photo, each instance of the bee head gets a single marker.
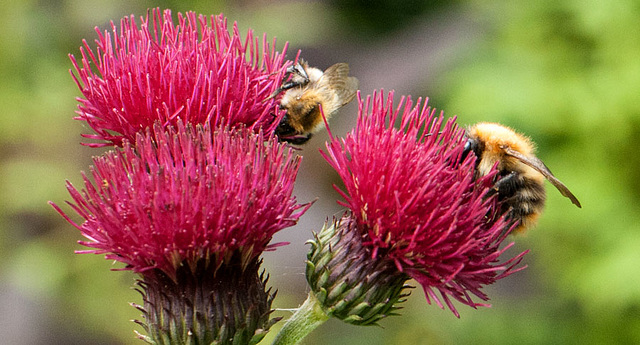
(472, 145)
(284, 128)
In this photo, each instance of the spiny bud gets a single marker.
(349, 284)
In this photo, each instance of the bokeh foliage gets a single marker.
(566, 73)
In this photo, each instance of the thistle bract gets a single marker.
(347, 282)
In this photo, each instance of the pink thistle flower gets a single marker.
(191, 209)
(415, 205)
(185, 195)
(159, 71)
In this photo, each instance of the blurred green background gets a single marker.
(565, 73)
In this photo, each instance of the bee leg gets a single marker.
(286, 85)
(506, 188)
(290, 85)
(297, 69)
(298, 139)
(521, 198)
(508, 185)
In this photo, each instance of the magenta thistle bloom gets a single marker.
(415, 205)
(188, 194)
(159, 71)
(191, 210)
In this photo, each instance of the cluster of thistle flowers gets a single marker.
(197, 184)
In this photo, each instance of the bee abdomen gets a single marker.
(527, 200)
(523, 198)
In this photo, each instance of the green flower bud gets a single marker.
(347, 281)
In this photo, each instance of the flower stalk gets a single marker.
(307, 318)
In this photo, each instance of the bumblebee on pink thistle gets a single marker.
(415, 204)
(414, 211)
(198, 184)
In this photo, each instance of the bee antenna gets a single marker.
(430, 134)
(273, 95)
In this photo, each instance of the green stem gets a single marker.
(309, 316)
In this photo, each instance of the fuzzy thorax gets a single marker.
(495, 138)
(303, 109)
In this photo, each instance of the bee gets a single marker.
(306, 91)
(521, 183)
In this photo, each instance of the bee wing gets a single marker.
(539, 166)
(337, 79)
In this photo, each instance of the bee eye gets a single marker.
(470, 146)
(467, 146)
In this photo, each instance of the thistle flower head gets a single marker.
(159, 71)
(416, 205)
(185, 195)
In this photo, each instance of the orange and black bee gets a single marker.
(306, 91)
(521, 183)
